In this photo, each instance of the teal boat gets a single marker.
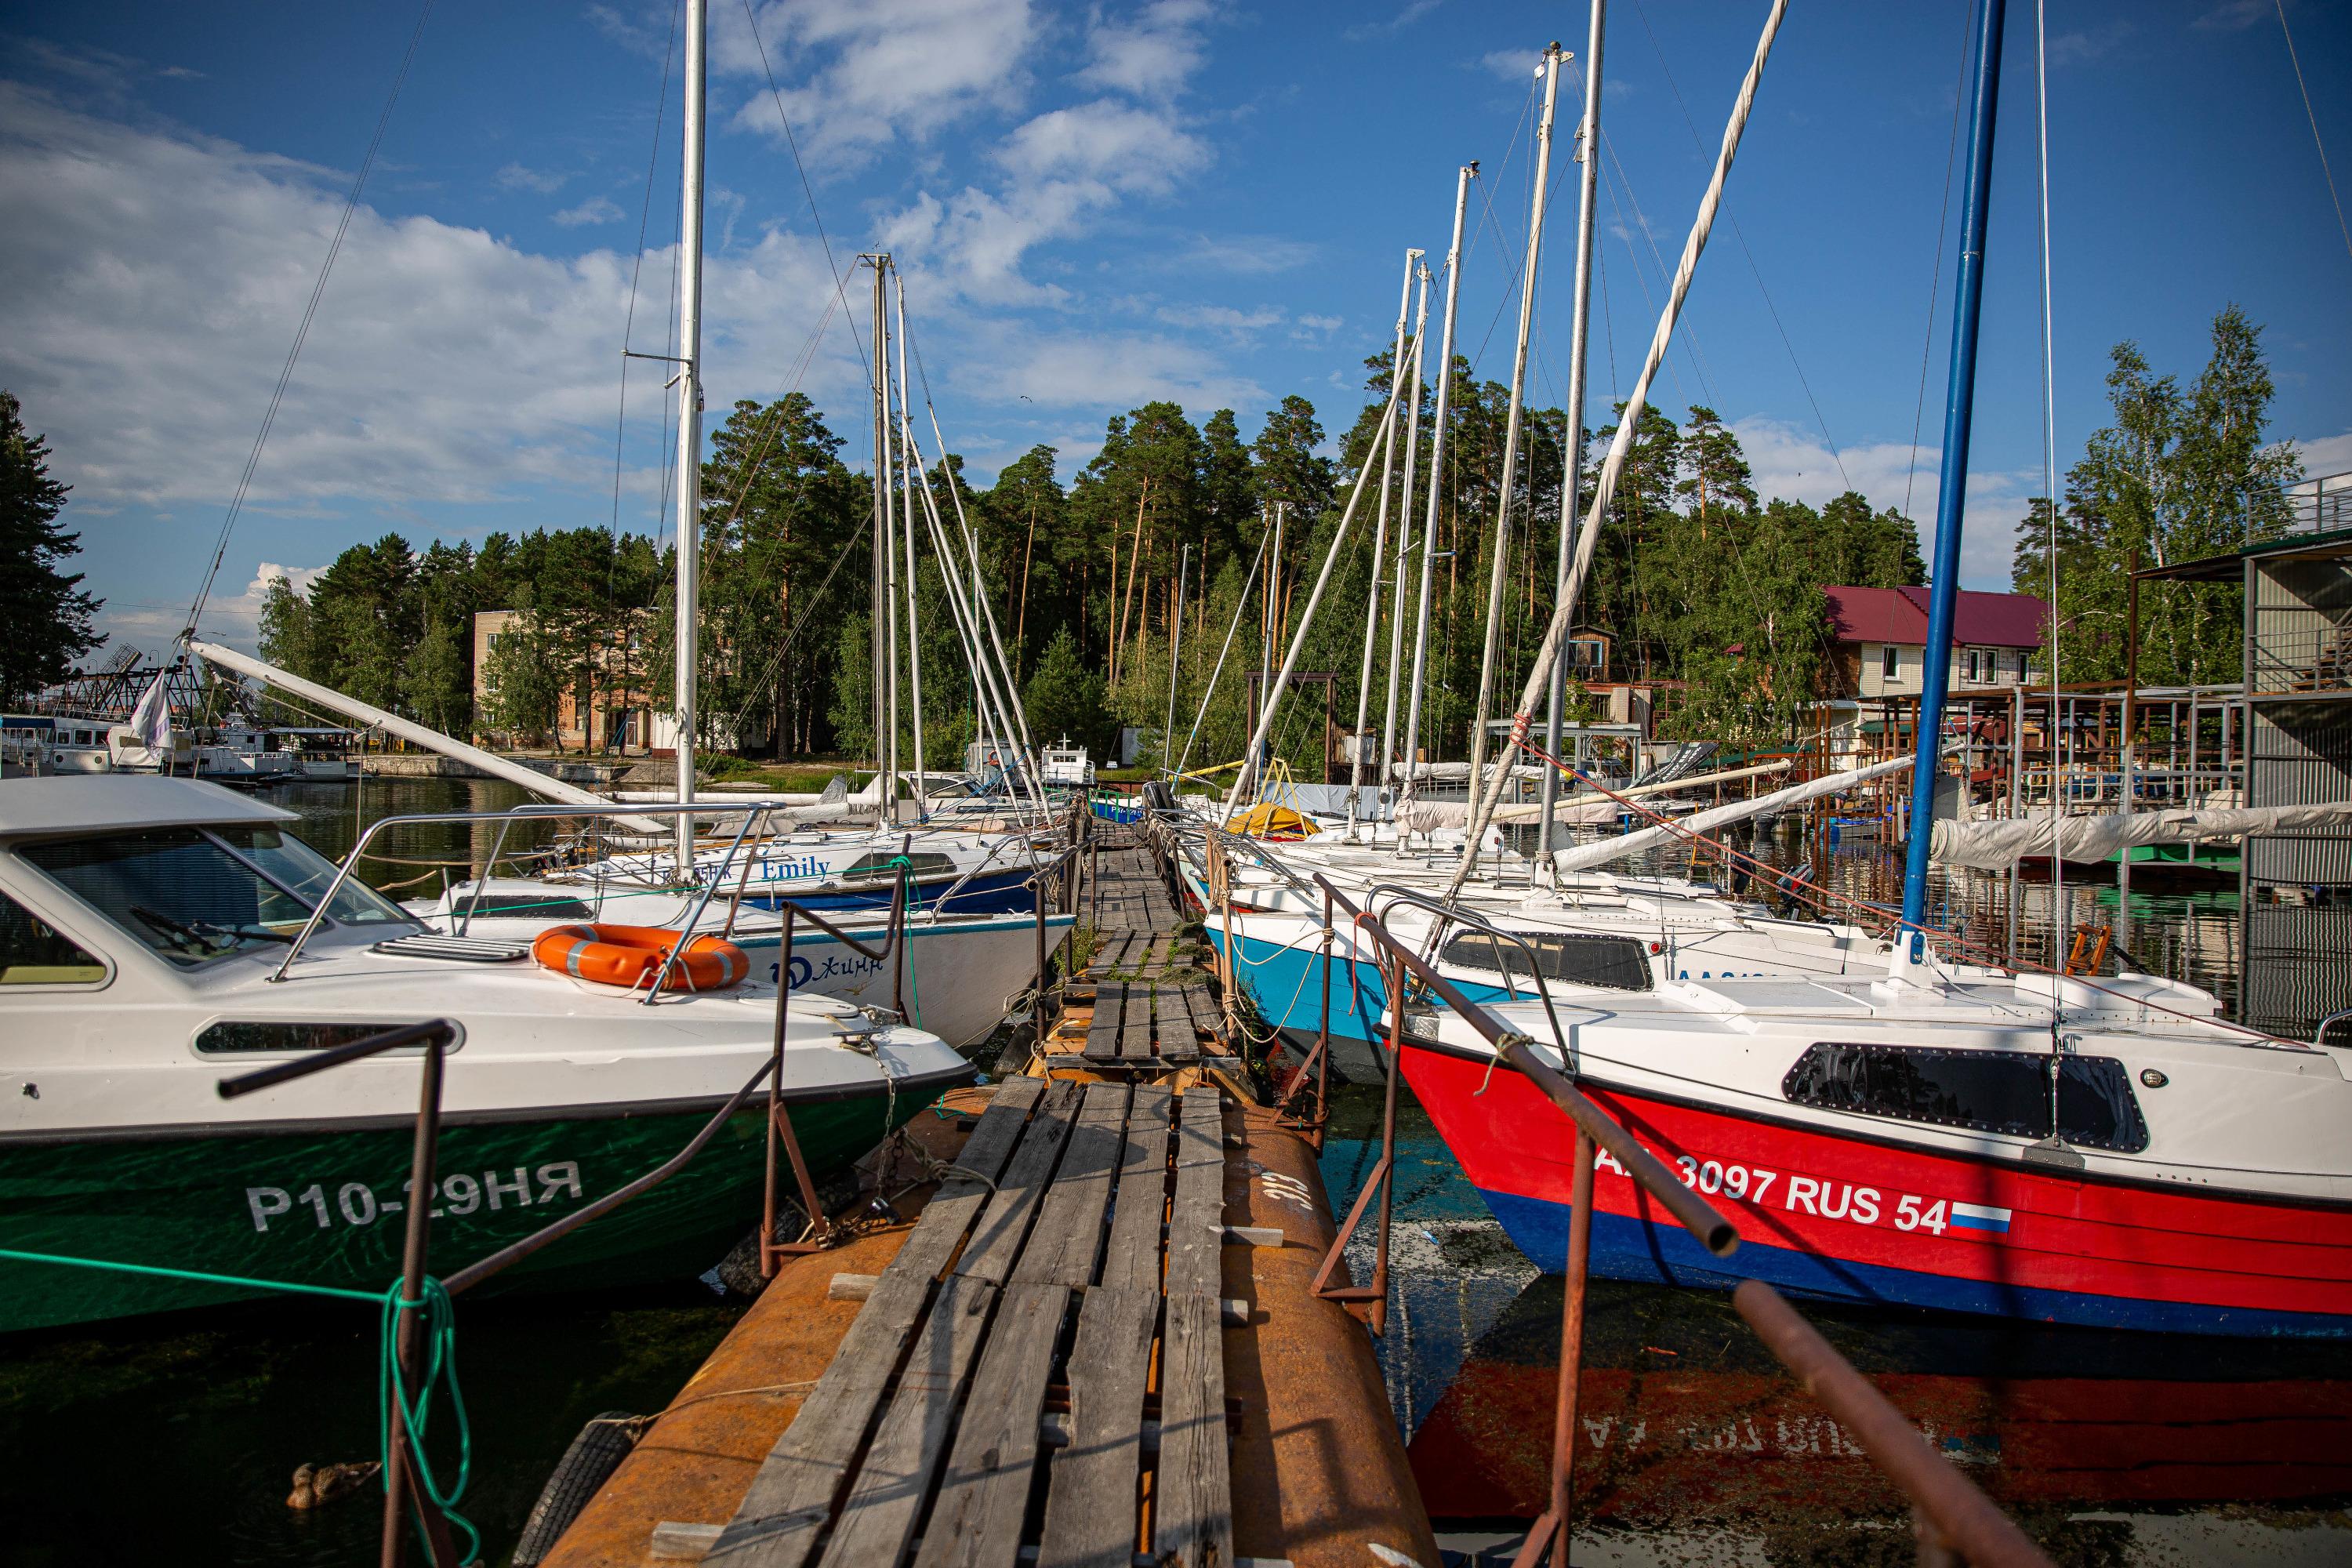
(143, 922)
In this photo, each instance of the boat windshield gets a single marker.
(181, 892)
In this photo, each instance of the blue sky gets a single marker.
(1094, 207)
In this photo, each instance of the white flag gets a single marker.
(152, 719)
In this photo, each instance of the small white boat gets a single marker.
(143, 922)
(964, 973)
(1066, 766)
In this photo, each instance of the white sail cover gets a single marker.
(1634, 843)
(1995, 845)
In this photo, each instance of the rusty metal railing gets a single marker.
(1955, 1522)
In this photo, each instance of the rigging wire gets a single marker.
(2296, 61)
(302, 332)
(636, 268)
(1737, 233)
(1936, 278)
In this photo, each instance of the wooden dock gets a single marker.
(1063, 1356)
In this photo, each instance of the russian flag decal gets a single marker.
(1979, 1216)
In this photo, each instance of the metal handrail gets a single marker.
(1447, 914)
(529, 811)
(1956, 1520)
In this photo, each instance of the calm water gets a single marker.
(179, 1439)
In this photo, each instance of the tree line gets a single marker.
(1701, 584)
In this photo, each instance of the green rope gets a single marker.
(441, 1366)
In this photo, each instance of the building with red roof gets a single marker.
(1881, 639)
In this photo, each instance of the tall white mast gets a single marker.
(1175, 654)
(1436, 467)
(690, 428)
(1379, 549)
(1404, 526)
(877, 612)
(888, 473)
(1588, 153)
(907, 509)
(1501, 547)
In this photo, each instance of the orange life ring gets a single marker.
(631, 956)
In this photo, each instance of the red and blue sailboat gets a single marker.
(1938, 1136)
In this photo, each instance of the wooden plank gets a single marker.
(1092, 1501)
(1191, 1494)
(792, 1496)
(1102, 1032)
(954, 1206)
(1062, 1248)
(984, 1498)
(1196, 1214)
(1135, 1029)
(1131, 1257)
(1003, 1225)
(878, 1522)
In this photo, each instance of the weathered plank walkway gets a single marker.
(1041, 1364)
(1142, 1002)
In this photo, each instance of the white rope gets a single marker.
(1483, 802)
(1240, 608)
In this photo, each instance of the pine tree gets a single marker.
(45, 614)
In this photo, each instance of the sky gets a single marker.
(1093, 207)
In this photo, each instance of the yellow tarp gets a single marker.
(1266, 820)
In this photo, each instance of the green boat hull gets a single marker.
(326, 1205)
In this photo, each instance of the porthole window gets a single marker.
(1984, 1091)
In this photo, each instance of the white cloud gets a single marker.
(1152, 54)
(883, 70)
(595, 210)
(1792, 463)
(1321, 324)
(2326, 456)
(1106, 372)
(2232, 15)
(1415, 11)
(1234, 323)
(1063, 168)
(1243, 253)
(155, 282)
(1512, 65)
(515, 177)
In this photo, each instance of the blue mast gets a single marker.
(1960, 404)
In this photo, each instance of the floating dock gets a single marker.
(1097, 1344)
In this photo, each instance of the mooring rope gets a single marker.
(416, 1412)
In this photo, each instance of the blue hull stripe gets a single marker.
(998, 894)
(1625, 1248)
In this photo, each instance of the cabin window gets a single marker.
(35, 952)
(185, 896)
(231, 1040)
(1985, 1091)
(1616, 963)
(286, 859)
(882, 866)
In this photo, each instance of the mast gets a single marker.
(905, 435)
(1960, 404)
(889, 471)
(1404, 529)
(1379, 550)
(879, 557)
(1437, 472)
(1175, 652)
(685, 672)
(1588, 153)
(1500, 576)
